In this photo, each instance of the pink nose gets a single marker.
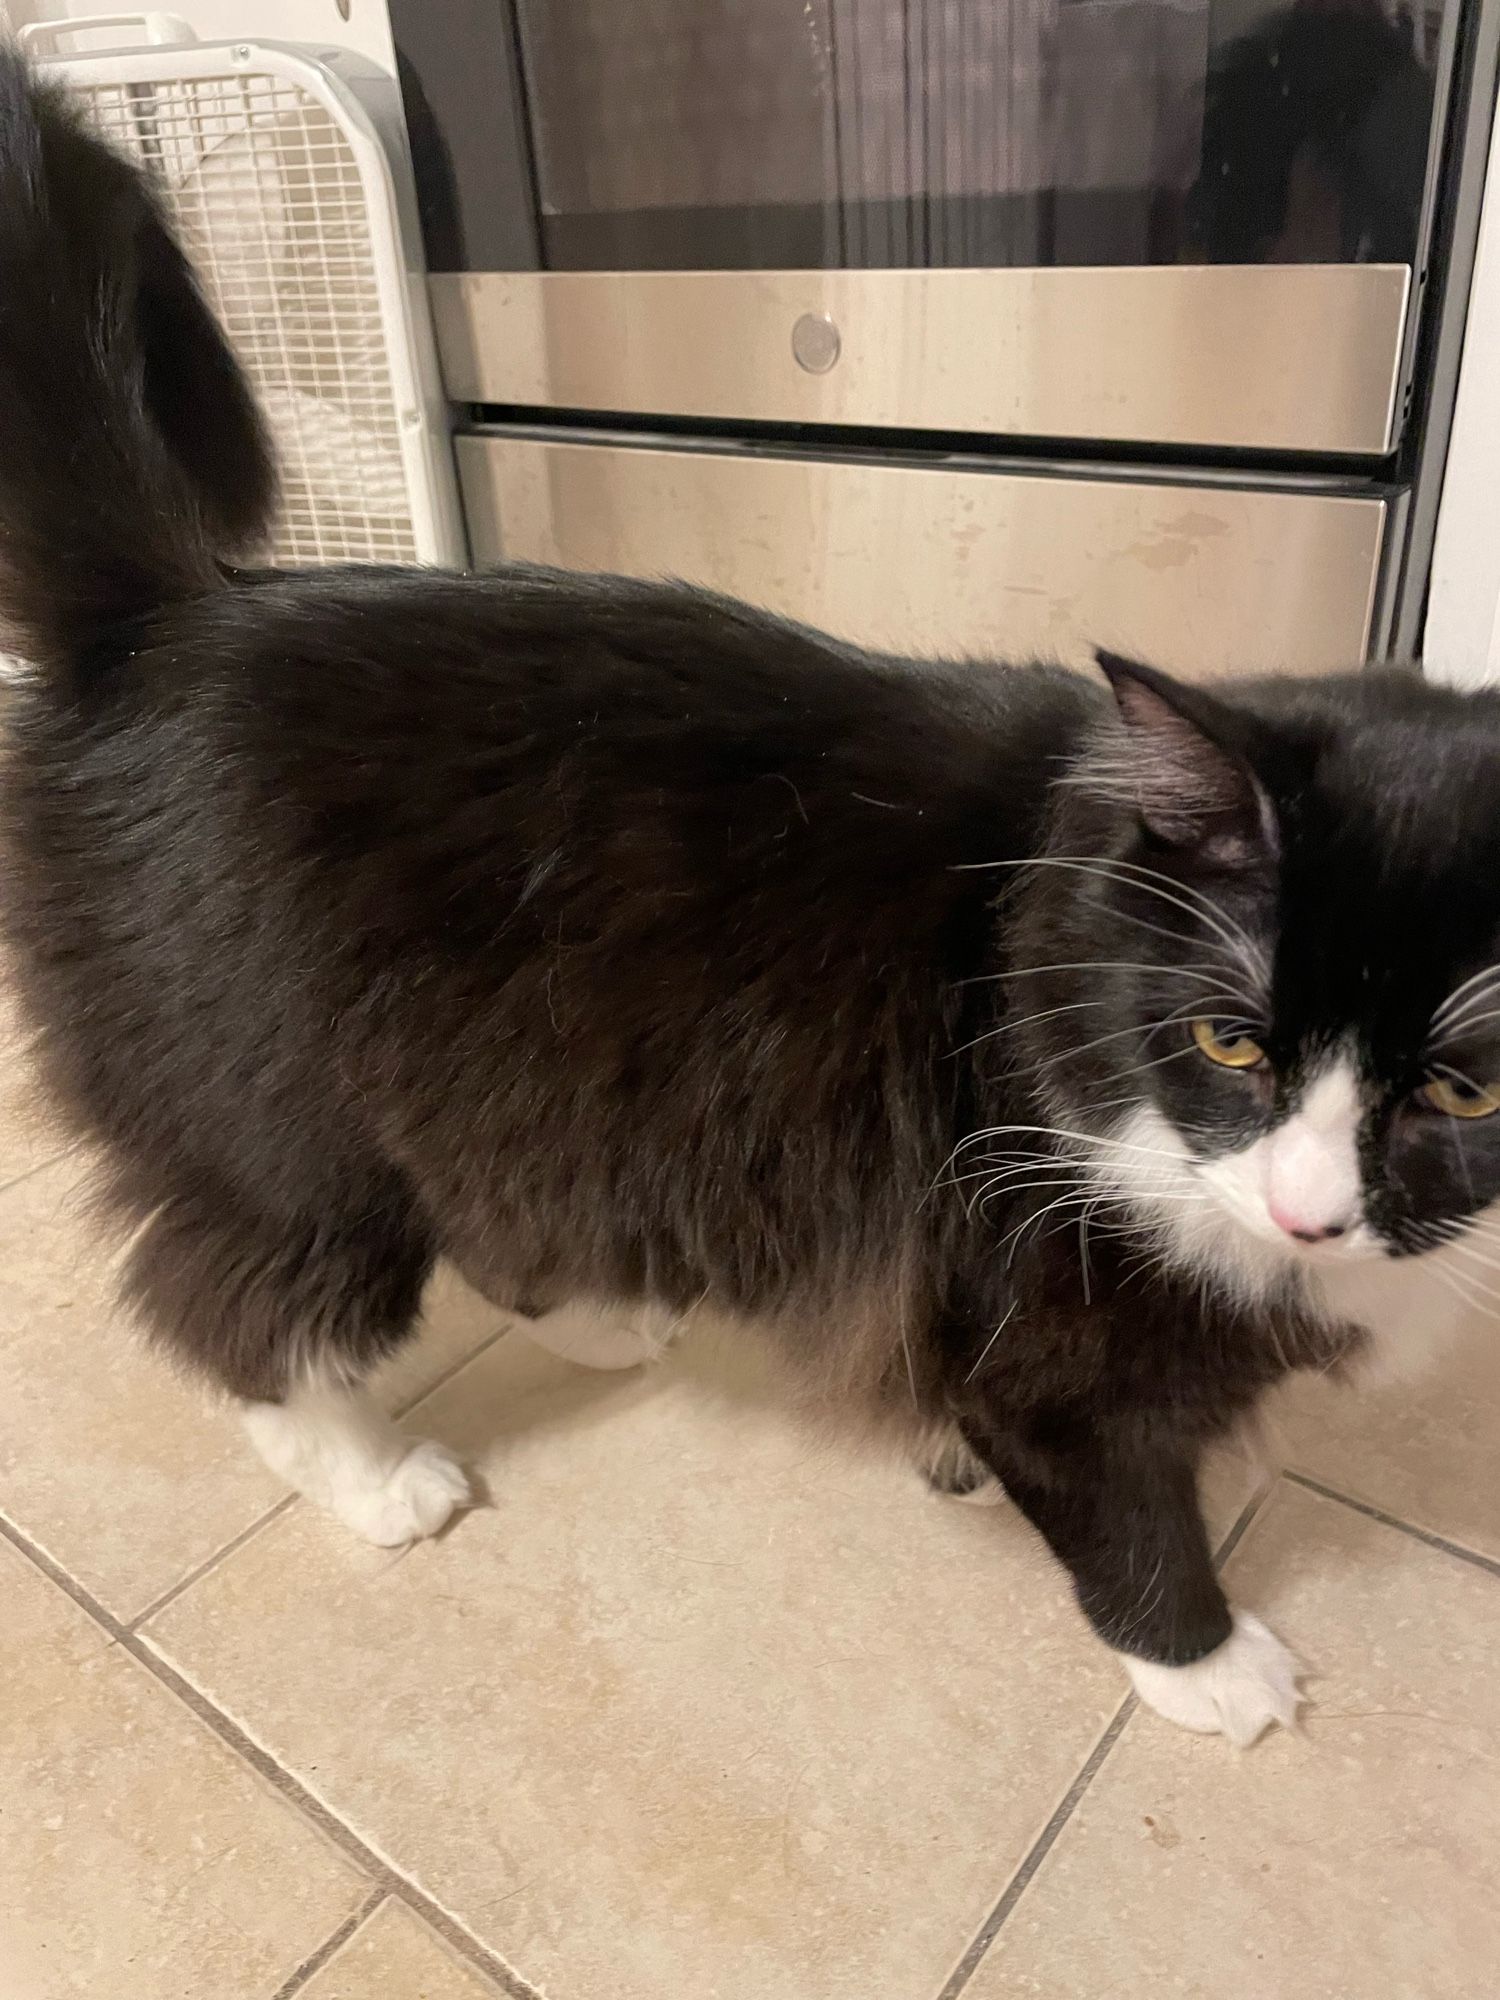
(1305, 1228)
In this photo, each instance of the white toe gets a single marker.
(1238, 1690)
(415, 1500)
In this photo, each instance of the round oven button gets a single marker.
(815, 343)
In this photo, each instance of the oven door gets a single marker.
(963, 557)
(1185, 223)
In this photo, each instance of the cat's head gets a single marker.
(1258, 973)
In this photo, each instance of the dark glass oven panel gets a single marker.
(806, 134)
(690, 134)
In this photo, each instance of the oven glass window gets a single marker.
(781, 134)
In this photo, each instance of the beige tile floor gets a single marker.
(694, 1706)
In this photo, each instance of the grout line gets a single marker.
(1046, 1840)
(316, 1960)
(388, 1883)
(1041, 1847)
(55, 1573)
(1372, 1513)
(1241, 1527)
(380, 1872)
(174, 1591)
(441, 1381)
(274, 1512)
(388, 1878)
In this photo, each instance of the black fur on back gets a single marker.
(610, 936)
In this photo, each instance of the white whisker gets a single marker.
(1139, 1069)
(1131, 874)
(1026, 1021)
(1450, 1278)
(1486, 973)
(991, 1341)
(1473, 1256)
(1062, 1132)
(1144, 1028)
(1094, 965)
(1453, 1031)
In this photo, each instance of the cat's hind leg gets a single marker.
(331, 1442)
(289, 1315)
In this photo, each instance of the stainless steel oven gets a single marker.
(959, 325)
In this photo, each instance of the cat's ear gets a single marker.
(1175, 758)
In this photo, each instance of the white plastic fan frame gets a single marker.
(362, 102)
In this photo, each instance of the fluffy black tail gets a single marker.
(132, 456)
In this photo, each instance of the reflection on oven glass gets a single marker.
(714, 134)
(1314, 137)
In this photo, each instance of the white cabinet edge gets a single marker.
(1461, 642)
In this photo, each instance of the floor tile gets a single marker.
(1424, 1450)
(697, 1706)
(1359, 1860)
(394, 1956)
(1233, 1477)
(128, 1476)
(140, 1858)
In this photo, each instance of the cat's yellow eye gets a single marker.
(1455, 1097)
(1233, 1051)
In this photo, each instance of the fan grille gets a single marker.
(265, 192)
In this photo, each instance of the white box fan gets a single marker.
(298, 217)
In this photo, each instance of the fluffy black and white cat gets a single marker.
(1046, 1065)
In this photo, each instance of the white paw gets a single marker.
(412, 1502)
(1238, 1690)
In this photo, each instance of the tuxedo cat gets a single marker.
(1045, 1063)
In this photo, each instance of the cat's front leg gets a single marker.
(1120, 1510)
